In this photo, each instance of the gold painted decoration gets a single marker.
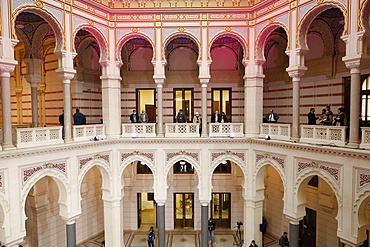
(91, 23)
(271, 20)
(228, 29)
(319, 1)
(181, 29)
(39, 4)
(135, 30)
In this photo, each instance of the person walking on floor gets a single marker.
(283, 241)
(253, 244)
(151, 237)
(211, 231)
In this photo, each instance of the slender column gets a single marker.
(296, 72)
(159, 83)
(294, 233)
(204, 83)
(252, 220)
(71, 233)
(161, 225)
(354, 126)
(204, 225)
(66, 77)
(6, 108)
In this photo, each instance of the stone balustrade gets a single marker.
(365, 138)
(226, 130)
(138, 130)
(88, 132)
(276, 131)
(182, 130)
(326, 135)
(31, 137)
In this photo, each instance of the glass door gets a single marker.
(184, 210)
(220, 209)
(183, 99)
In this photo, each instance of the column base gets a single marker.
(294, 139)
(8, 146)
(160, 134)
(353, 144)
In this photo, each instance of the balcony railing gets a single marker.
(321, 134)
(138, 130)
(365, 138)
(226, 130)
(88, 132)
(31, 137)
(182, 130)
(276, 131)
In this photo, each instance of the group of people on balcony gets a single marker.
(327, 117)
(215, 117)
(142, 118)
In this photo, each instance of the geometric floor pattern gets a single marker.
(178, 239)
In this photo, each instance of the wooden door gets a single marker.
(150, 110)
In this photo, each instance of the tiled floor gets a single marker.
(178, 239)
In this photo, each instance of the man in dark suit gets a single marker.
(311, 117)
(79, 118)
(272, 117)
(216, 117)
(134, 118)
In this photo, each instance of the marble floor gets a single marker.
(178, 238)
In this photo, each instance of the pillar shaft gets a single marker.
(71, 234)
(204, 226)
(160, 109)
(161, 225)
(204, 110)
(6, 108)
(294, 234)
(296, 107)
(354, 128)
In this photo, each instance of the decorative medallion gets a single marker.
(39, 4)
(181, 29)
(228, 29)
(135, 29)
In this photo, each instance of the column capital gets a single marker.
(293, 220)
(71, 220)
(204, 203)
(159, 79)
(6, 67)
(204, 80)
(354, 62)
(160, 202)
(296, 71)
(65, 74)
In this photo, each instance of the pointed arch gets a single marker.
(236, 36)
(98, 35)
(178, 158)
(262, 38)
(124, 39)
(49, 18)
(305, 22)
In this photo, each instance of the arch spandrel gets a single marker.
(49, 18)
(102, 161)
(132, 35)
(364, 23)
(137, 157)
(182, 33)
(238, 157)
(229, 33)
(174, 156)
(309, 16)
(362, 188)
(37, 41)
(98, 35)
(264, 34)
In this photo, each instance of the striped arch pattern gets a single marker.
(234, 35)
(49, 18)
(262, 38)
(122, 41)
(37, 40)
(309, 17)
(173, 36)
(102, 41)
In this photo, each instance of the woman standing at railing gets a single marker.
(341, 118)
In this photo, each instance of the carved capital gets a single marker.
(296, 71)
(65, 74)
(5, 70)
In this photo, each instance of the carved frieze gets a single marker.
(239, 154)
(363, 179)
(82, 161)
(29, 171)
(148, 154)
(280, 160)
(192, 154)
(332, 170)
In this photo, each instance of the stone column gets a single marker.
(252, 220)
(293, 233)
(71, 233)
(33, 77)
(204, 225)
(66, 76)
(296, 72)
(204, 83)
(159, 82)
(354, 123)
(5, 70)
(113, 223)
(161, 224)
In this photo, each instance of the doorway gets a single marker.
(183, 99)
(146, 101)
(184, 210)
(220, 209)
(307, 229)
(147, 210)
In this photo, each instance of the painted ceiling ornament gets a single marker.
(39, 4)
(228, 29)
(91, 23)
